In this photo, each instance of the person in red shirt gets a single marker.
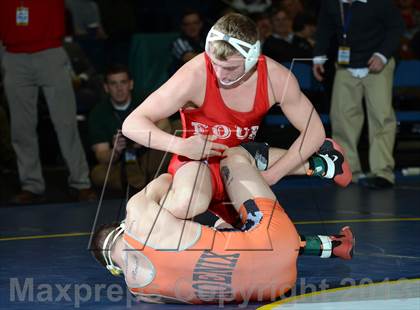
(229, 89)
(31, 32)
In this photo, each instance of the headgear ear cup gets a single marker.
(253, 55)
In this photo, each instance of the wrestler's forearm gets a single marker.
(295, 159)
(143, 131)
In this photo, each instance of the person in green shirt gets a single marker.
(129, 162)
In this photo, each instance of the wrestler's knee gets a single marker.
(236, 155)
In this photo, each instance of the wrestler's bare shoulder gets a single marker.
(193, 70)
(190, 80)
(283, 81)
(276, 70)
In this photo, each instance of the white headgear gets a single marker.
(251, 56)
(106, 251)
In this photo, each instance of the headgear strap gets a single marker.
(251, 55)
(106, 251)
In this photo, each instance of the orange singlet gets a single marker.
(255, 265)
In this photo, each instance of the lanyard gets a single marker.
(345, 19)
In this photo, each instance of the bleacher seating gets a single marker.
(407, 74)
(303, 73)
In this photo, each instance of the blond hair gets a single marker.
(237, 26)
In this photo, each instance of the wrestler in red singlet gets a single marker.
(230, 127)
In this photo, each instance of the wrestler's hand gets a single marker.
(199, 146)
(269, 177)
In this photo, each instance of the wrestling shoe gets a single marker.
(337, 168)
(343, 243)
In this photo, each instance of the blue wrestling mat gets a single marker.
(45, 263)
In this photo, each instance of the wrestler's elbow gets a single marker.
(131, 126)
(320, 134)
(125, 129)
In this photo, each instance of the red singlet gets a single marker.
(230, 127)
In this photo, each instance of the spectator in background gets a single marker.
(411, 17)
(369, 34)
(311, 7)
(283, 45)
(130, 163)
(191, 41)
(415, 41)
(249, 6)
(87, 84)
(292, 7)
(304, 26)
(119, 22)
(262, 20)
(32, 32)
(88, 30)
